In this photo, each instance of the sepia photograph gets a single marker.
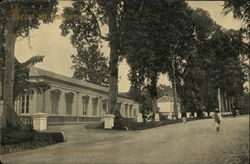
(124, 81)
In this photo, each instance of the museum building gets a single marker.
(70, 100)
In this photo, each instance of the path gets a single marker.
(191, 143)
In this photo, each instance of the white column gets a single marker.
(17, 105)
(99, 107)
(179, 114)
(46, 107)
(90, 107)
(77, 100)
(43, 101)
(40, 121)
(108, 121)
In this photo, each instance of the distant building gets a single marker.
(166, 105)
(70, 100)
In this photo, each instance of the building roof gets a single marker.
(165, 99)
(38, 72)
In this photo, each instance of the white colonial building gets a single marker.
(166, 105)
(70, 100)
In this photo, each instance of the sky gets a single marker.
(47, 41)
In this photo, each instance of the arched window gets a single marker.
(25, 102)
(69, 102)
(85, 103)
(55, 97)
(95, 105)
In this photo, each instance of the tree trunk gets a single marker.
(174, 90)
(9, 117)
(113, 62)
(223, 102)
(229, 104)
(154, 105)
(174, 84)
(174, 96)
(226, 102)
(143, 109)
(153, 93)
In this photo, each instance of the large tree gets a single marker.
(86, 19)
(17, 18)
(230, 68)
(160, 33)
(195, 67)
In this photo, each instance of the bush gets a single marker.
(11, 136)
(132, 125)
(121, 123)
(15, 136)
(56, 137)
(27, 139)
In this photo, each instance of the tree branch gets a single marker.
(98, 27)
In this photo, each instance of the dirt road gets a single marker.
(190, 143)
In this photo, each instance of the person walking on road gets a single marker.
(184, 117)
(217, 119)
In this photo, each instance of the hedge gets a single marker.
(27, 139)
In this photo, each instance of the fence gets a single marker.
(65, 119)
(26, 121)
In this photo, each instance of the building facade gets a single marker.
(166, 105)
(70, 99)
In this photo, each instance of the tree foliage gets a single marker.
(18, 17)
(230, 71)
(159, 30)
(86, 18)
(27, 14)
(22, 84)
(91, 66)
(241, 11)
(165, 39)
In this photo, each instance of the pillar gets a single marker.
(39, 121)
(90, 107)
(78, 101)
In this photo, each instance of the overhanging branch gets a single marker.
(96, 21)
